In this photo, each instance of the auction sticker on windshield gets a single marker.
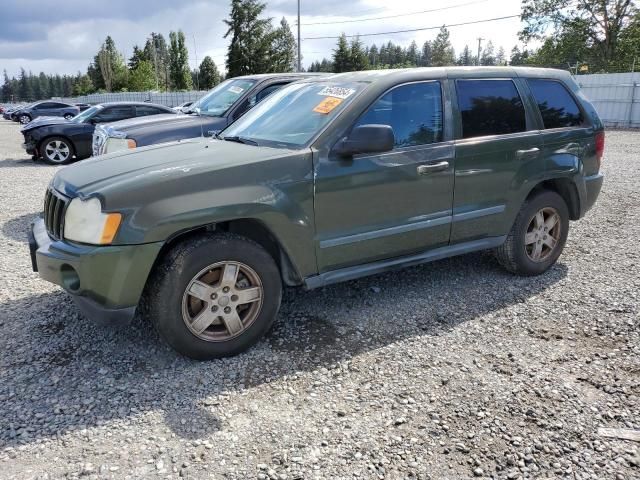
(337, 92)
(234, 89)
(327, 105)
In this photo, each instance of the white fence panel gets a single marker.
(170, 99)
(615, 96)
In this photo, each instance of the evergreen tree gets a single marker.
(25, 91)
(209, 76)
(488, 58)
(426, 59)
(179, 72)
(374, 56)
(412, 56)
(283, 49)
(109, 65)
(501, 57)
(342, 56)
(442, 51)
(142, 78)
(250, 38)
(137, 57)
(8, 91)
(466, 58)
(82, 85)
(358, 58)
(156, 51)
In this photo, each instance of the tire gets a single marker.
(529, 249)
(173, 310)
(68, 116)
(24, 119)
(56, 150)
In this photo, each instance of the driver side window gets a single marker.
(414, 111)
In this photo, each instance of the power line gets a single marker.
(417, 29)
(398, 15)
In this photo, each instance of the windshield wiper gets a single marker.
(235, 138)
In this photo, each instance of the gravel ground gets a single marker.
(447, 371)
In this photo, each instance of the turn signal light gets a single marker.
(131, 143)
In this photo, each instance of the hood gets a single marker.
(154, 164)
(43, 121)
(129, 123)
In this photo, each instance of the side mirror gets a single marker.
(366, 139)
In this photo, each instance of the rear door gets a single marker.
(114, 113)
(498, 142)
(567, 135)
(146, 110)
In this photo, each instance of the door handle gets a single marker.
(432, 168)
(527, 154)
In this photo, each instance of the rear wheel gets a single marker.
(538, 235)
(68, 116)
(56, 150)
(24, 119)
(214, 295)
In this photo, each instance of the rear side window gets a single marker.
(557, 106)
(113, 114)
(144, 110)
(490, 107)
(414, 111)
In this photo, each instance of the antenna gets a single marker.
(299, 54)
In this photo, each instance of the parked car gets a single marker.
(224, 104)
(83, 106)
(45, 108)
(327, 180)
(183, 107)
(57, 140)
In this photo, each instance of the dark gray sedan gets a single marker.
(46, 108)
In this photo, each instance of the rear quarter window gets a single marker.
(490, 107)
(557, 106)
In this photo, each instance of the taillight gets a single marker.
(599, 147)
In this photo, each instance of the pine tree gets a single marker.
(209, 76)
(358, 57)
(342, 56)
(25, 91)
(82, 85)
(7, 89)
(179, 72)
(488, 57)
(250, 38)
(283, 49)
(412, 56)
(501, 57)
(442, 51)
(108, 70)
(374, 56)
(466, 59)
(141, 78)
(137, 57)
(156, 51)
(426, 59)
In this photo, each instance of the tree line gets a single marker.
(582, 35)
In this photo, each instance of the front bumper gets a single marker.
(106, 282)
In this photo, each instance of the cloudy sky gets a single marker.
(61, 36)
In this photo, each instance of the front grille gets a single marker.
(54, 209)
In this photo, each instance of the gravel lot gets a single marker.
(446, 371)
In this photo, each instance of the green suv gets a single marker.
(328, 179)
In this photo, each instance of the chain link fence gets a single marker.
(169, 99)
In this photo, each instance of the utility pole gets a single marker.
(480, 39)
(299, 54)
(195, 53)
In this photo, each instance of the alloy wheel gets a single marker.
(57, 151)
(222, 301)
(543, 234)
(24, 119)
(68, 116)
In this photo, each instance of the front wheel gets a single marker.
(538, 235)
(214, 295)
(57, 150)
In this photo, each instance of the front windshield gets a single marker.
(221, 98)
(293, 115)
(86, 115)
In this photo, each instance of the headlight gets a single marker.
(86, 223)
(117, 144)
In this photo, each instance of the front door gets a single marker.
(374, 207)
